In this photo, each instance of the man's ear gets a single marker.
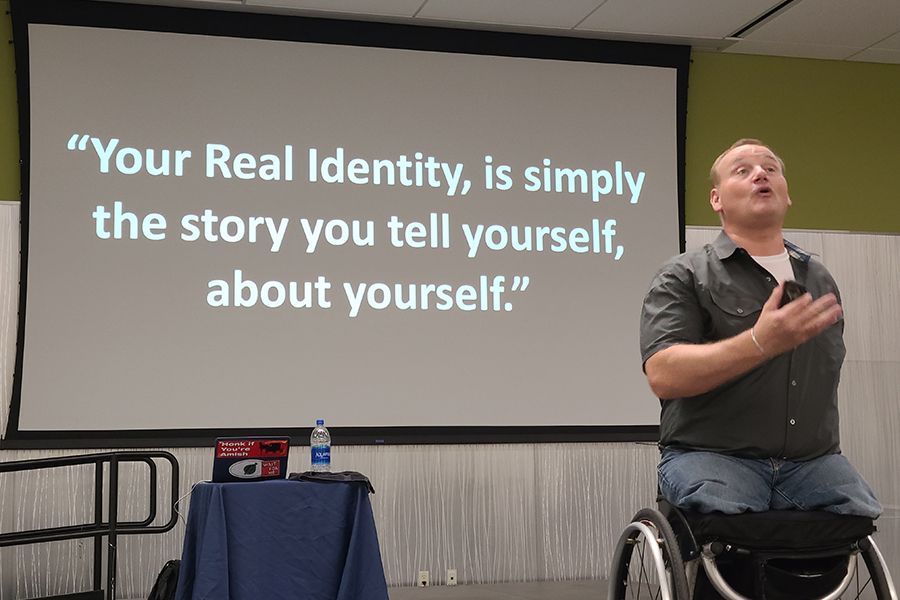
(714, 200)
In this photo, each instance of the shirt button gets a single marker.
(793, 422)
(740, 311)
(794, 383)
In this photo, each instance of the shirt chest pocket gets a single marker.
(730, 313)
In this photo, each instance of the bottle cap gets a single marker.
(320, 422)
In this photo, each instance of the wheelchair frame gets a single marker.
(651, 561)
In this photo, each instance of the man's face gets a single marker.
(752, 190)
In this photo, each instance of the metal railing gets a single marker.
(108, 527)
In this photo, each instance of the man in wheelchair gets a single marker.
(742, 341)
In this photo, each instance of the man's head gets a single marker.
(749, 187)
(714, 173)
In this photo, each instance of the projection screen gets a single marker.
(241, 223)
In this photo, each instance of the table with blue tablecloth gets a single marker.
(273, 540)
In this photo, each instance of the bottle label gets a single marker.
(321, 455)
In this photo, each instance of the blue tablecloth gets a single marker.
(272, 540)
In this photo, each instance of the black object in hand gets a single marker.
(792, 290)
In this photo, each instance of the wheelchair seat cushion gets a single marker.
(781, 530)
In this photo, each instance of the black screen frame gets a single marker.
(92, 13)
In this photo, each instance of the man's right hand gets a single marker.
(782, 329)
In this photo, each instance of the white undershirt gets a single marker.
(778, 265)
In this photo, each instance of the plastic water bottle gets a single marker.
(320, 444)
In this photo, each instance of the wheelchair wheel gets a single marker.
(647, 563)
(879, 578)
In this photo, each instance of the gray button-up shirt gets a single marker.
(784, 408)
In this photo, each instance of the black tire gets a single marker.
(878, 576)
(634, 568)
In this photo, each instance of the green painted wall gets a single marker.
(9, 117)
(836, 125)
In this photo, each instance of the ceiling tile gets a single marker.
(877, 55)
(532, 13)
(832, 23)
(855, 30)
(392, 8)
(792, 50)
(684, 18)
(891, 43)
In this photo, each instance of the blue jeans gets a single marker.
(708, 481)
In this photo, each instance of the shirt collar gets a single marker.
(797, 252)
(724, 247)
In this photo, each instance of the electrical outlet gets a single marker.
(451, 576)
(423, 579)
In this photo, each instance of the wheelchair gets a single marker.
(670, 554)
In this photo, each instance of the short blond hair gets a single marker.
(714, 171)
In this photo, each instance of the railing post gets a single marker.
(98, 523)
(113, 521)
